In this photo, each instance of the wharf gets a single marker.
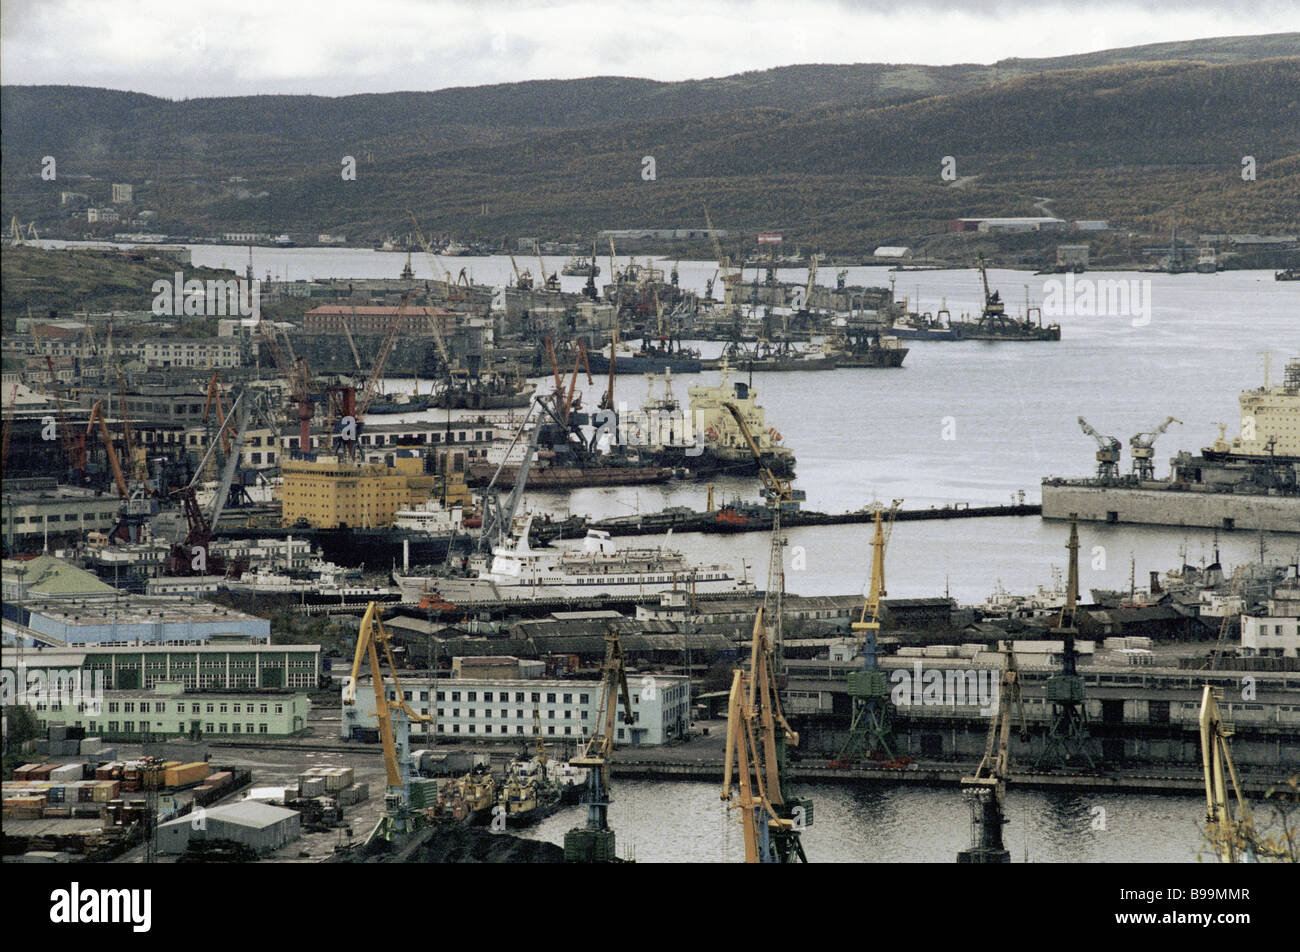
(761, 521)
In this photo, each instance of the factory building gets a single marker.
(328, 492)
(259, 826)
(135, 619)
(476, 709)
(53, 510)
(168, 710)
(210, 666)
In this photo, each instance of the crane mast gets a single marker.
(1142, 446)
(753, 781)
(594, 843)
(398, 818)
(1067, 736)
(1107, 452)
(986, 789)
(871, 727)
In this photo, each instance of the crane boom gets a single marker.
(97, 415)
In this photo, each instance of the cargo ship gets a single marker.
(927, 326)
(1251, 482)
(705, 440)
(866, 347)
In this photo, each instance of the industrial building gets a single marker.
(53, 510)
(328, 492)
(1277, 633)
(135, 619)
(499, 709)
(168, 710)
(216, 665)
(347, 318)
(259, 826)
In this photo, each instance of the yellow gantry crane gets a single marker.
(752, 781)
(398, 818)
(594, 843)
(987, 788)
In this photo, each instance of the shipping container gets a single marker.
(106, 790)
(66, 773)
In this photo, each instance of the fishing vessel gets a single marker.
(466, 799)
(779, 355)
(859, 346)
(580, 267)
(504, 390)
(663, 357)
(994, 323)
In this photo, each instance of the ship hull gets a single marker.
(646, 365)
(885, 357)
(568, 478)
(468, 400)
(1171, 507)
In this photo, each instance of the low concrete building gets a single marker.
(259, 826)
(1277, 633)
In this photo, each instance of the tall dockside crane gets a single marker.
(1107, 452)
(753, 779)
(1067, 735)
(1142, 449)
(986, 790)
(594, 843)
(871, 729)
(394, 726)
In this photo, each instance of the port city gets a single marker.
(408, 535)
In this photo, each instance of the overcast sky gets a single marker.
(334, 47)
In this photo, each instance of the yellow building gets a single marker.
(329, 492)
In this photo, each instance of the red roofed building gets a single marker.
(332, 318)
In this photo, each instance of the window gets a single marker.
(519, 697)
(194, 709)
(263, 709)
(487, 696)
(455, 695)
(519, 714)
(248, 728)
(180, 727)
(236, 708)
(129, 727)
(112, 707)
(210, 708)
(582, 699)
(223, 708)
(568, 699)
(279, 709)
(471, 728)
(504, 713)
(207, 728)
(144, 707)
(261, 728)
(472, 696)
(442, 695)
(551, 729)
(234, 728)
(128, 707)
(550, 698)
(221, 728)
(536, 698)
(455, 728)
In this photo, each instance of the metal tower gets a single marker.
(1067, 736)
(871, 729)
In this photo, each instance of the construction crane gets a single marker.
(594, 843)
(871, 728)
(1107, 452)
(135, 461)
(370, 389)
(498, 516)
(753, 780)
(74, 444)
(986, 789)
(1067, 734)
(1142, 449)
(523, 279)
(213, 401)
(298, 375)
(552, 281)
(394, 726)
(97, 416)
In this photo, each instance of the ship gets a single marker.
(927, 326)
(995, 324)
(1290, 274)
(703, 441)
(598, 568)
(579, 267)
(865, 347)
(666, 357)
(779, 356)
(504, 389)
(414, 403)
(467, 799)
(1251, 482)
(526, 798)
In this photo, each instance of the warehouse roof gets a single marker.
(46, 575)
(249, 813)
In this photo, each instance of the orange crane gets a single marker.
(97, 416)
(214, 400)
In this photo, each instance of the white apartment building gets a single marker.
(1277, 634)
(487, 711)
(194, 352)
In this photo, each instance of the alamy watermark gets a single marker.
(651, 428)
(235, 297)
(69, 688)
(947, 687)
(1105, 297)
